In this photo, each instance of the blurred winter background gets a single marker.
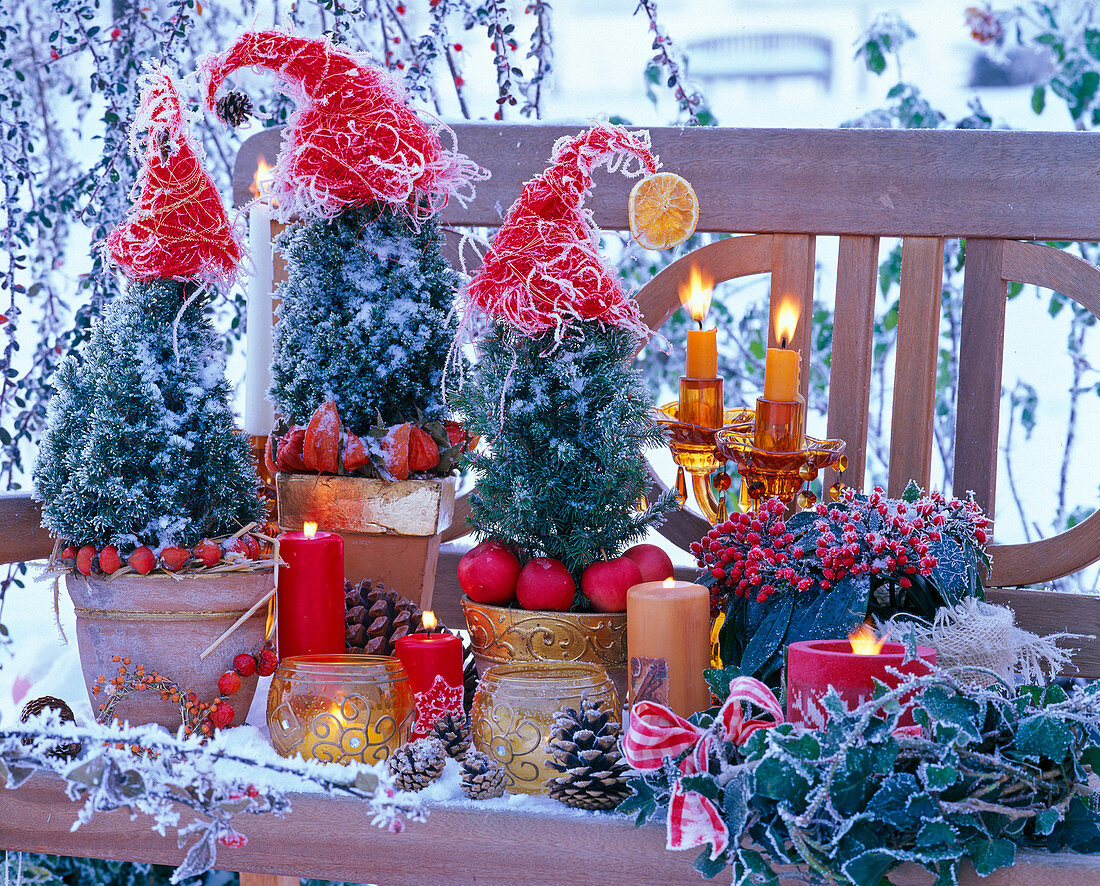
(774, 63)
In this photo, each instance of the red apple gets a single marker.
(653, 562)
(488, 573)
(606, 582)
(545, 583)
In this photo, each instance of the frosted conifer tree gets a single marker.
(140, 447)
(365, 318)
(565, 468)
(366, 304)
(564, 413)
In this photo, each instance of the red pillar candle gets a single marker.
(310, 593)
(815, 665)
(434, 665)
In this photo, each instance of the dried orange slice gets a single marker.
(663, 211)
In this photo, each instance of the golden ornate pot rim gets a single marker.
(529, 673)
(343, 665)
(520, 612)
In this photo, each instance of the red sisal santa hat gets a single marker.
(543, 270)
(179, 229)
(352, 140)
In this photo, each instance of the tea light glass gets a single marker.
(339, 708)
(514, 710)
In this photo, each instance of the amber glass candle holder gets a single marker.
(701, 402)
(514, 709)
(778, 425)
(339, 708)
(694, 450)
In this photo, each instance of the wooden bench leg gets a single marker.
(269, 880)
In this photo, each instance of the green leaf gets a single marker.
(868, 868)
(1046, 820)
(988, 855)
(939, 777)
(770, 633)
(893, 802)
(936, 834)
(710, 868)
(751, 869)
(1092, 42)
(735, 804)
(643, 801)
(945, 708)
(1041, 735)
(779, 780)
(912, 492)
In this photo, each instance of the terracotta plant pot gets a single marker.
(391, 529)
(164, 622)
(503, 635)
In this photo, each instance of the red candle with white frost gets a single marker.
(851, 667)
(310, 593)
(433, 663)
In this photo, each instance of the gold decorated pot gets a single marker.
(515, 707)
(503, 635)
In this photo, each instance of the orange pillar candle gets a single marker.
(781, 374)
(668, 644)
(702, 353)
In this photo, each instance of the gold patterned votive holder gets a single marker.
(339, 708)
(514, 711)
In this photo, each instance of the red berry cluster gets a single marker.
(985, 25)
(759, 554)
(198, 716)
(143, 560)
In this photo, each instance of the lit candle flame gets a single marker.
(696, 294)
(669, 582)
(263, 179)
(786, 319)
(864, 641)
(429, 620)
(310, 529)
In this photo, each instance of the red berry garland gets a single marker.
(197, 716)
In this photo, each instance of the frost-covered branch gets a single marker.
(146, 770)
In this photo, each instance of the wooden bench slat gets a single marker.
(332, 838)
(915, 363)
(853, 353)
(1048, 558)
(978, 409)
(793, 284)
(846, 181)
(22, 536)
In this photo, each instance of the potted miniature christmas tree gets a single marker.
(142, 478)
(366, 322)
(567, 420)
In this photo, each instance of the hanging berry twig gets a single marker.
(503, 44)
(541, 51)
(670, 61)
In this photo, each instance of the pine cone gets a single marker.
(234, 108)
(48, 702)
(416, 764)
(454, 735)
(375, 616)
(482, 777)
(585, 746)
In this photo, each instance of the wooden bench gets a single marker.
(782, 189)
(762, 57)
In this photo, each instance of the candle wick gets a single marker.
(783, 342)
(700, 322)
